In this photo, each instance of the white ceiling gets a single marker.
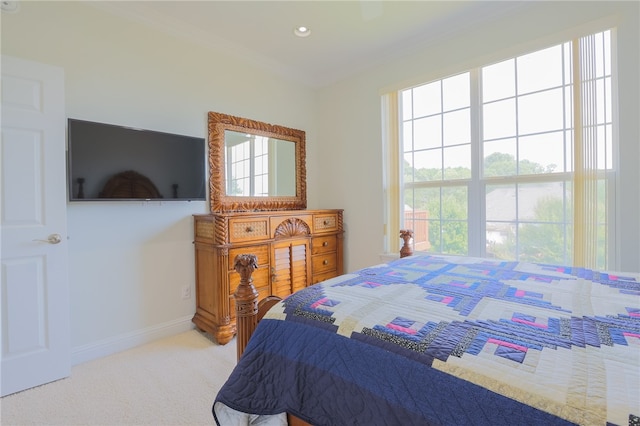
(347, 36)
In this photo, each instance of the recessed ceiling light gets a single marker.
(302, 31)
(9, 6)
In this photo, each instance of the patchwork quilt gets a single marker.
(443, 340)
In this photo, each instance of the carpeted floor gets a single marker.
(172, 381)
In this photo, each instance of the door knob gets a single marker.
(52, 239)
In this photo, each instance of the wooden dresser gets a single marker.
(294, 248)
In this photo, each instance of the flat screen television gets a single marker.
(110, 162)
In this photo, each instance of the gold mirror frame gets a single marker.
(219, 200)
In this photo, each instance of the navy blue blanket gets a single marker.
(436, 341)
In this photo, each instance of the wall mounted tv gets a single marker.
(109, 162)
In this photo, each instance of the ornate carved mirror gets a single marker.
(255, 165)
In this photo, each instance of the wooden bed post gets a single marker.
(246, 297)
(406, 235)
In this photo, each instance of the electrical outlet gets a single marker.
(186, 292)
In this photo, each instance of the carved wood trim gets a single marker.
(292, 227)
(219, 201)
(221, 229)
(246, 297)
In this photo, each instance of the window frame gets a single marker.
(476, 185)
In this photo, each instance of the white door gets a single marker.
(35, 287)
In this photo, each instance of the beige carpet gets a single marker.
(172, 381)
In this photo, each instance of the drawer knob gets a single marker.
(326, 243)
(326, 222)
(325, 262)
(249, 229)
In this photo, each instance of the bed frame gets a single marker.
(249, 310)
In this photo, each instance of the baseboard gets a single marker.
(81, 354)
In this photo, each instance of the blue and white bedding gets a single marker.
(446, 340)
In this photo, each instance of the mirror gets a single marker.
(255, 165)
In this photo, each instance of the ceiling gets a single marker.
(346, 36)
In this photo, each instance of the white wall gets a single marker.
(350, 116)
(130, 260)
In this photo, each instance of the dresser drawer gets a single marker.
(325, 222)
(248, 229)
(324, 276)
(323, 263)
(322, 245)
(261, 252)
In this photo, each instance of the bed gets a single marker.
(440, 340)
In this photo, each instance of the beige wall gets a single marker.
(350, 112)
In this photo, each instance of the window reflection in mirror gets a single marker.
(259, 166)
(255, 166)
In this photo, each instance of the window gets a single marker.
(512, 160)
